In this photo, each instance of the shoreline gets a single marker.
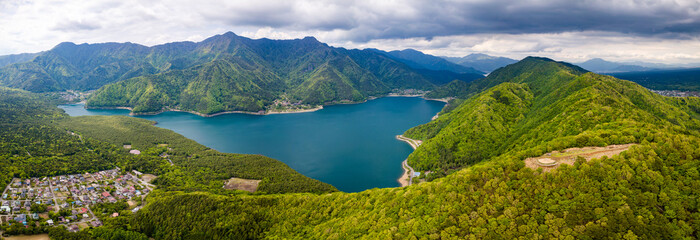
(445, 100)
(406, 178)
(206, 115)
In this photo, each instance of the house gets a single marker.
(83, 210)
(115, 214)
(135, 152)
(96, 223)
(85, 215)
(5, 209)
(50, 222)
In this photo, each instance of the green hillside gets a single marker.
(535, 106)
(222, 73)
(538, 105)
(648, 192)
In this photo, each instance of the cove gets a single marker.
(353, 147)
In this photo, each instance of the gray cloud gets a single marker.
(73, 25)
(661, 30)
(366, 20)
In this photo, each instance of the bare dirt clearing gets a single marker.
(242, 184)
(29, 237)
(148, 177)
(568, 156)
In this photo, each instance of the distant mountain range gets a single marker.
(686, 79)
(418, 60)
(16, 58)
(603, 66)
(224, 73)
(482, 62)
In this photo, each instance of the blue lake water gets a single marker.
(353, 147)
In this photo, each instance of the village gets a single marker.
(66, 200)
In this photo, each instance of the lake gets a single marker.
(353, 147)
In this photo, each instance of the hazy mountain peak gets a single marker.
(65, 45)
(602, 65)
(420, 60)
(310, 38)
(481, 62)
(229, 34)
(479, 56)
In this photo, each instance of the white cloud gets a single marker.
(659, 30)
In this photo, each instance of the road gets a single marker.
(414, 144)
(53, 195)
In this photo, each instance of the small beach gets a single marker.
(406, 178)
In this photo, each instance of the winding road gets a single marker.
(414, 144)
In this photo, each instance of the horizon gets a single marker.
(620, 31)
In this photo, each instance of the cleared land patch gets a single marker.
(249, 185)
(148, 177)
(29, 237)
(568, 156)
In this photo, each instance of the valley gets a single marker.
(331, 144)
(537, 149)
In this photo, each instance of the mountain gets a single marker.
(16, 58)
(601, 66)
(222, 73)
(419, 60)
(481, 62)
(538, 101)
(674, 79)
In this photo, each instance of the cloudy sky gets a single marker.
(664, 31)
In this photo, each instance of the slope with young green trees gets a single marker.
(536, 106)
(648, 192)
(539, 102)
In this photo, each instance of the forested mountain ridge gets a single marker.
(648, 192)
(222, 73)
(539, 102)
(16, 58)
(253, 73)
(535, 106)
